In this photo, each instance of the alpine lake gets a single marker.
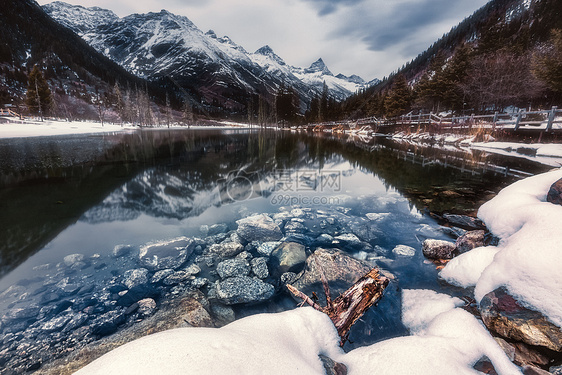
(75, 212)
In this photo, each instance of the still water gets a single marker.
(86, 194)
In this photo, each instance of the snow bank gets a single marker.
(28, 128)
(465, 270)
(283, 343)
(529, 255)
(447, 341)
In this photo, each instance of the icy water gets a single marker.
(86, 194)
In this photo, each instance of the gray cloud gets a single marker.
(404, 24)
(326, 7)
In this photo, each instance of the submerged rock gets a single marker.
(471, 240)
(502, 314)
(258, 228)
(341, 271)
(233, 267)
(243, 289)
(403, 250)
(464, 222)
(288, 257)
(135, 277)
(166, 254)
(225, 249)
(438, 249)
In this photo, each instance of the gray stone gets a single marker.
(259, 267)
(470, 240)
(323, 240)
(405, 251)
(166, 254)
(177, 278)
(161, 275)
(294, 226)
(502, 314)
(193, 269)
(147, 306)
(75, 321)
(556, 370)
(68, 287)
(464, 222)
(121, 250)
(554, 194)
(243, 289)
(56, 323)
(341, 271)
(135, 277)
(233, 267)
(288, 257)
(225, 249)
(438, 249)
(332, 367)
(288, 277)
(267, 247)
(217, 229)
(75, 261)
(348, 240)
(245, 255)
(258, 227)
(108, 323)
(19, 313)
(222, 313)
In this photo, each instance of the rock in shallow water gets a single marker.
(167, 254)
(243, 289)
(288, 257)
(233, 267)
(438, 249)
(504, 315)
(258, 228)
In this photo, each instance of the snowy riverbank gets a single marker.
(445, 339)
(31, 128)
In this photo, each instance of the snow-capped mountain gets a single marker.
(215, 69)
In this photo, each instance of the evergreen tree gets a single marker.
(399, 99)
(38, 96)
(547, 65)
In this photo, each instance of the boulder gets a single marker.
(121, 250)
(166, 254)
(267, 247)
(438, 249)
(224, 249)
(502, 314)
(258, 227)
(555, 193)
(243, 289)
(233, 267)
(259, 267)
(147, 306)
(348, 240)
(288, 257)
(403, 250)
(135, 277)
(341, 271)
(217, 229)
(464, 222)
(470, 240)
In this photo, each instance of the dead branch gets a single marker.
(346, 309)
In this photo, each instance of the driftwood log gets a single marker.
(346, 309)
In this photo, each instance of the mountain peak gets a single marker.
(318, 66)
(268, 51)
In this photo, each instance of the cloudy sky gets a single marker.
(370, 38)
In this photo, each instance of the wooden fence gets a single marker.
(537, 120)
(8, 113)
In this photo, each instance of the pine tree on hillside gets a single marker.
(547, 65)
(38, 97)
(399, 99)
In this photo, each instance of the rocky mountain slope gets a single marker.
(214, 69)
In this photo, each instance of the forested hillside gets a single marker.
(508, 53)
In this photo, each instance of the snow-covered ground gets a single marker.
(30, 128)
(444, 338)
